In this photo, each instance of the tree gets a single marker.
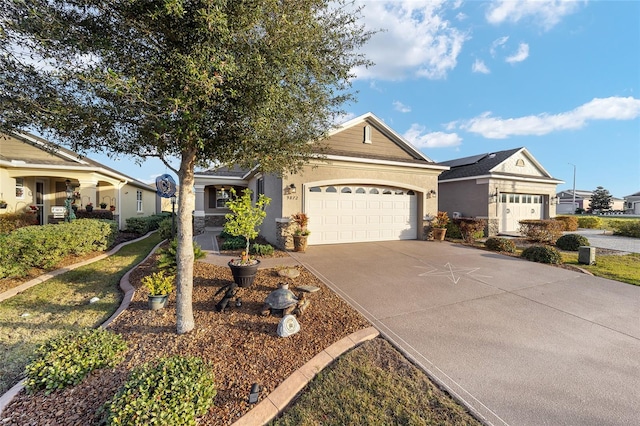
(601, 199)
(242, 82)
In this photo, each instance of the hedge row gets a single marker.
(543, 231)
(142, 225)
(11, 221)
(45, 246)
(628, 228)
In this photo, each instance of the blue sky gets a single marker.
(460, 78)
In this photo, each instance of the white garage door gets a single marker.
(517, 207)
(347, 214)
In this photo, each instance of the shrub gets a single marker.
(570, 222)
(571, 242)
(142, 225)
(453, 231)
(628, 228)
(542, 254)
(500, 244)
(470, 228)
(12, 221)
(95, 214)
(543, 231)
(67, 359)
(168, 256)
(225, 235)
(159, 284)
(234, 243)
(165, 228)
(589, 222)
(261, 249)
(172, 391)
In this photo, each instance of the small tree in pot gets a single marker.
(301, 233)
(244, 222)
(439, 225)
(159, 286)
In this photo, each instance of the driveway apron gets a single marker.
(518, 342)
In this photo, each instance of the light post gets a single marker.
(69, 193)
(173, 216)
(574, 188)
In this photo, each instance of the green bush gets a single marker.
(261, 249)
(12, 221)
(542, 254)
(543, 231)
(500, 244)
(225, 235)
(589, 222)
(570, 222)
(234, 243)
(571, 242)
(165, 228)
(67, 359)
(453, 231)
(172, 391)
(95, 214)
(142, 225)
(470, 228)
(45, 246)
(167, 259)
(628, 228)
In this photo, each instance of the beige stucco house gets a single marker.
(503, 187)
(33, 173)
(370, 185)
(632, 204)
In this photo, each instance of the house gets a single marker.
(371, 185)
(632, 204)
(34, 173)
(502, 187)
(583, 201)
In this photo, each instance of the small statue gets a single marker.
(281, 299)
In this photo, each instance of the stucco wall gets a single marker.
(467, 197)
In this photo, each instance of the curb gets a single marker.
(276, 402)
(125, 286)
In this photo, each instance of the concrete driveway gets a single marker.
(520, 343)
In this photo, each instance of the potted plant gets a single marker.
(159, 286)
(439, 225)
(89, 207)
(3, 204)
(112, 208)
(301, 233)
(244, 222)
(103, 205)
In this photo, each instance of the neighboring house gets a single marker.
(503, 187)
(632, 203)
(583, 201)
(33, 173)
(372, 185)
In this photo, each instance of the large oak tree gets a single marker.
(240, 82)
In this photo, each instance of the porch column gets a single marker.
(199, 221)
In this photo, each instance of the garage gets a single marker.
(359, 213)
(517, 207)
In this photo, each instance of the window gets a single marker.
(315, 189)
(19, 188)
(387, 192)
(520, 162)
(410, 192)
(346, 190)
(260, 186)
(367, 134)
(222, 196)
(503, 198)
(139, 201)
(360, 191)
(331, 189)
(374, 191)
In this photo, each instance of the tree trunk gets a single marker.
(185, 258)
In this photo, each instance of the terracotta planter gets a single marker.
(157, 301)
(439, 233)
(300, 243)
(243, 275)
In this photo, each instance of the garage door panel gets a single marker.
(346, 220)
(360, 220)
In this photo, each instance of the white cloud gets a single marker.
(546, 13)
(418, 138)
(500, 42)
(480, 66)
(612, 108)
(399, 106)
(520, 55)
(417, 40)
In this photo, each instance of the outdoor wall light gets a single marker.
(493, 198)
(254, 394)
(290, 189)
(431, 194)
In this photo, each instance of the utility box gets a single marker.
(587, 255)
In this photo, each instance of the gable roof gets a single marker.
(53, 156)
(487, 165)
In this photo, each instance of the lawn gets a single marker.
(624, 268)
(61, 304)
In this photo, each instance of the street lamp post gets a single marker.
(574, 187)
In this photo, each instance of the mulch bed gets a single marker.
(241, 345)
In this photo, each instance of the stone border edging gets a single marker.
(276, 402)
(125, 285)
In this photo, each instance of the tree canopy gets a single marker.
(601, 199)
(241, 82)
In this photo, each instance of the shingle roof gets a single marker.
(476, 165)
(234, 171)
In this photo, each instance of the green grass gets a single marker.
(614, 267)
(61, 304)
(374, 385)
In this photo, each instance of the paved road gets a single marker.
(602, 239)
(521, 343)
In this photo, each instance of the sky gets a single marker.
(461, 78)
